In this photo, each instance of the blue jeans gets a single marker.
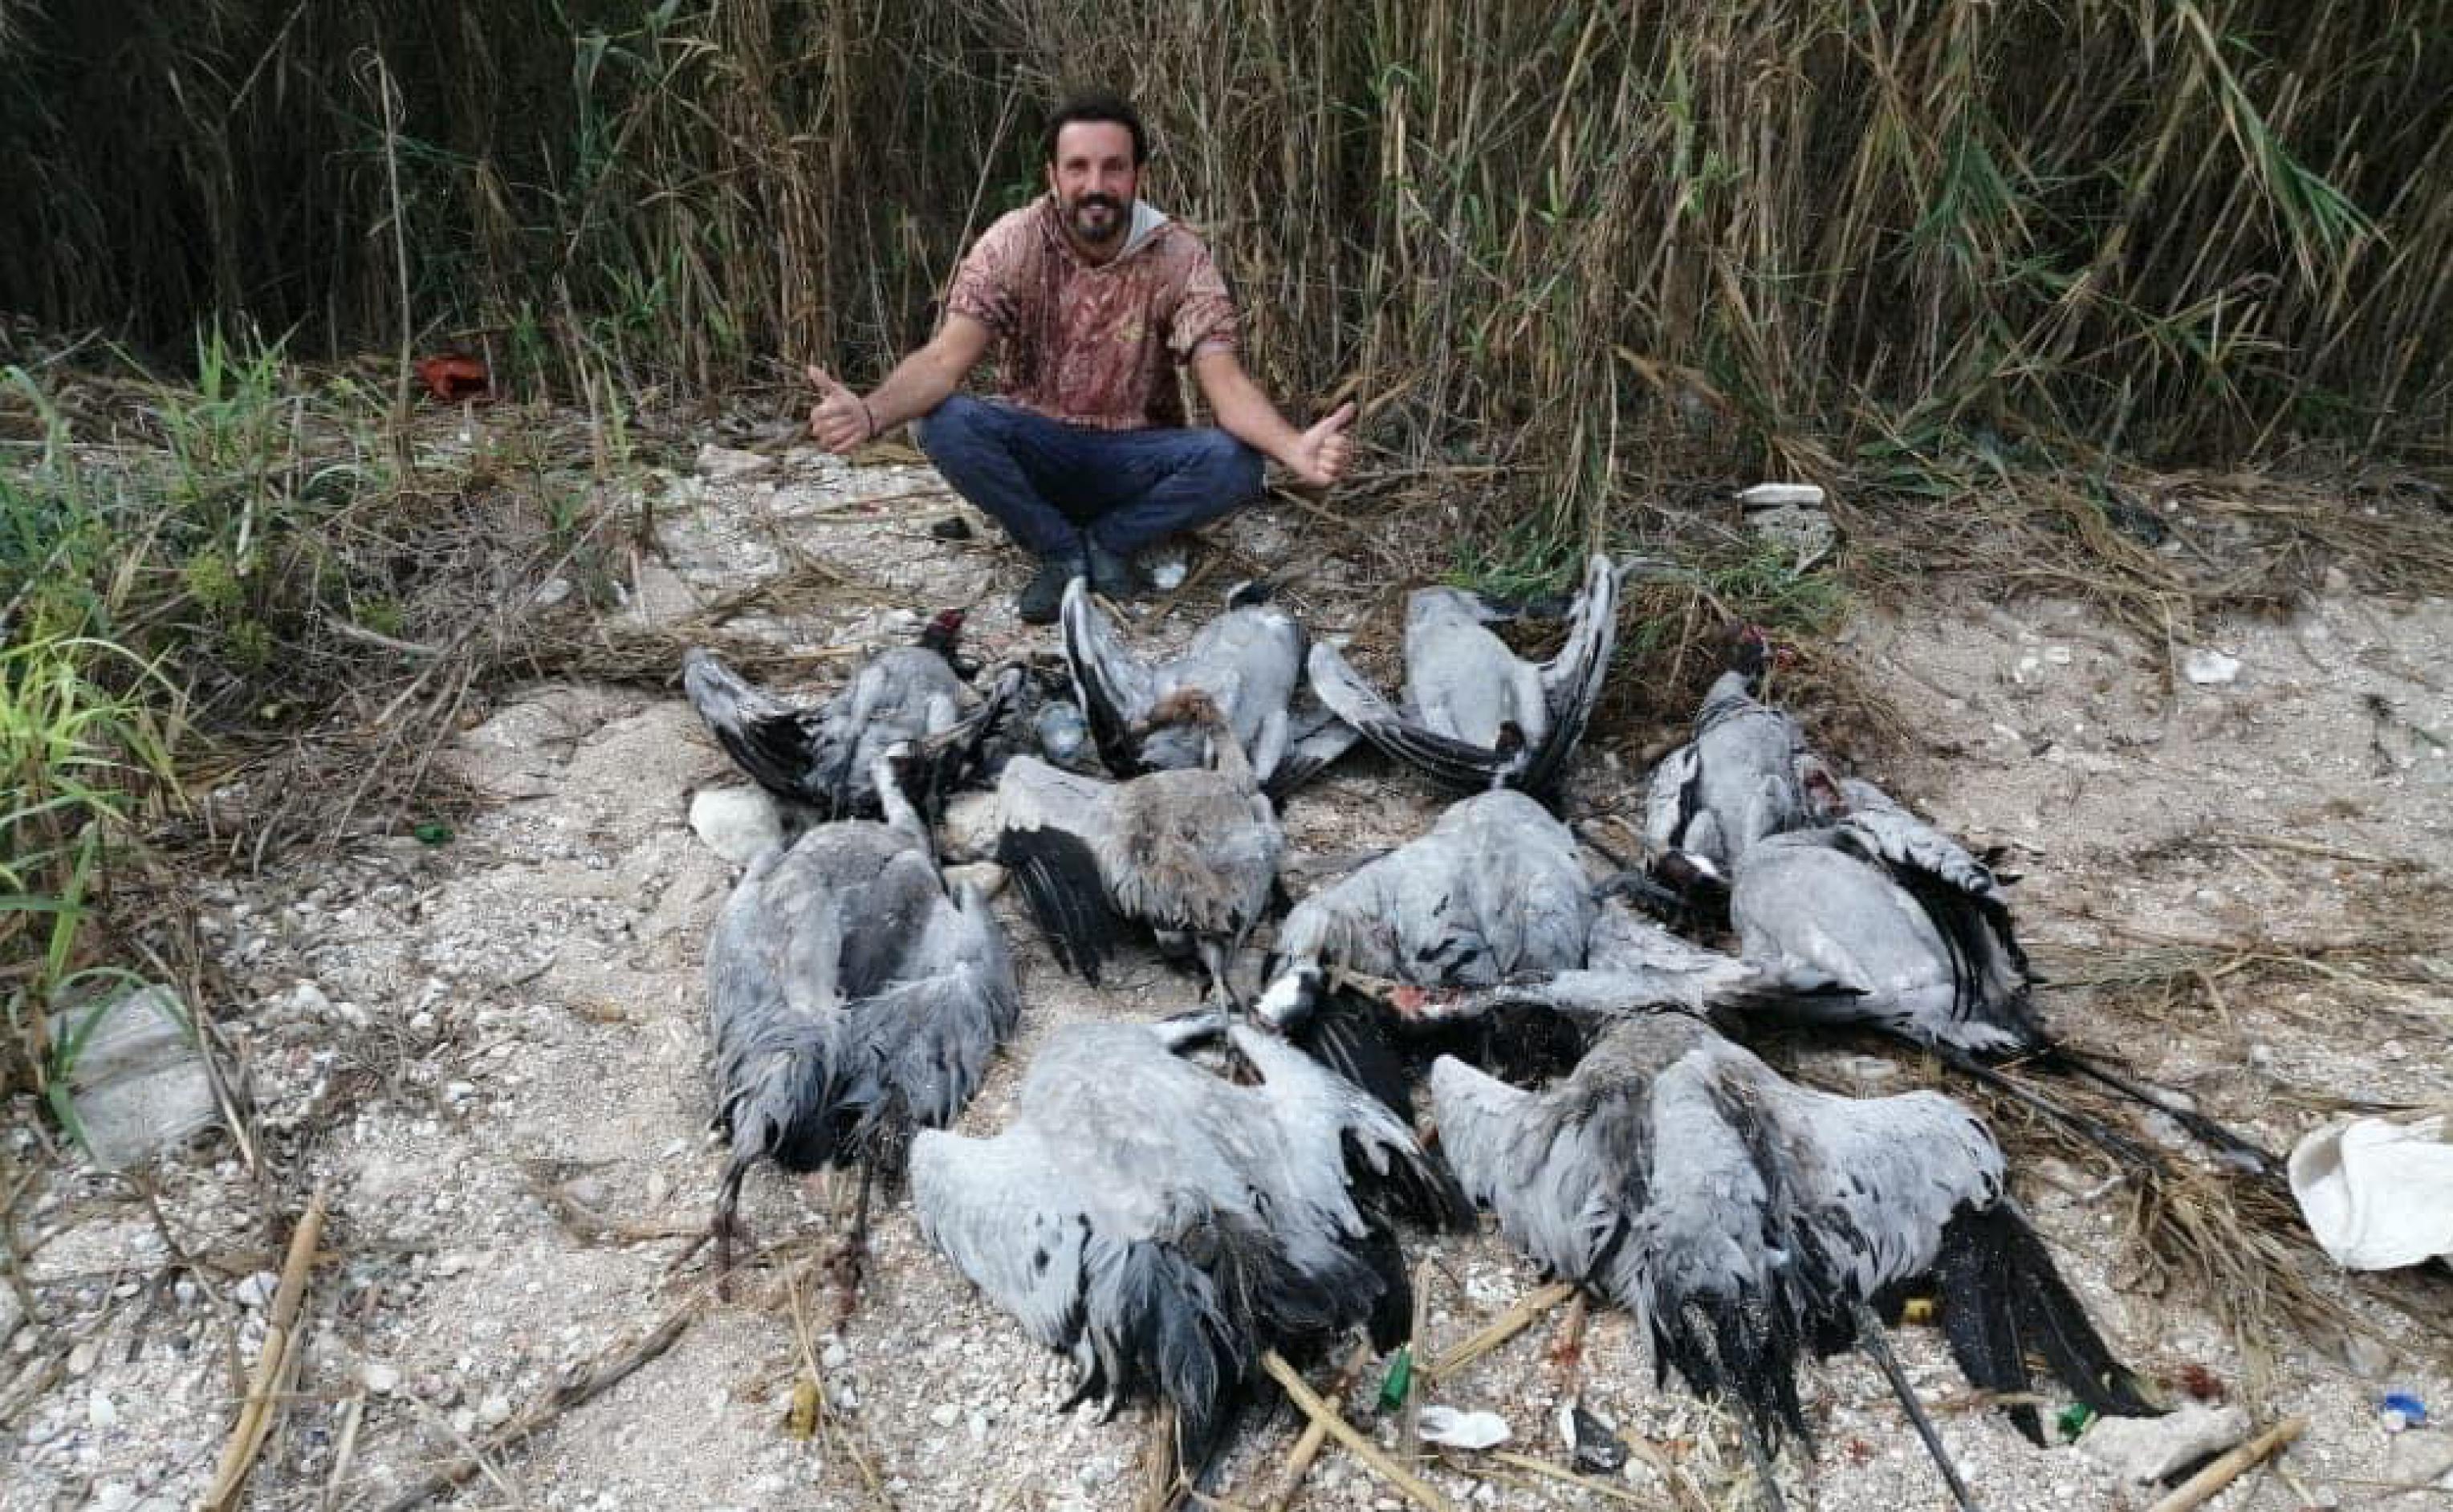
(1049, 484)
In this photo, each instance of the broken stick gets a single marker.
(273, 1364)
(1506, 1326)
(1307, 1448)
(2230, 1466)
(551, 1406)
(1346, 1433)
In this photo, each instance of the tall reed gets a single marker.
(1585, 242)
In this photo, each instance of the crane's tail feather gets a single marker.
(2001, 1296)
(1060, 881)
(1167, 1325)
(1743, 1349)
(1348, 1033)
(1194, 1330)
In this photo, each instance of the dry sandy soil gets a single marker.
(490, 1052)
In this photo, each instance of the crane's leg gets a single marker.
(1878, 1345)
(2243, 1151)
(1759, 1456)
(2120, 1146)
(850, 1261)
(1214, 957)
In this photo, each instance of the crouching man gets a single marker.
(1095, 299)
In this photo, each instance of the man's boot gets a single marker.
(1112, 574)
(1041, 597)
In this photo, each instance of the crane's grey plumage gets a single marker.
(1475, 714)
(1163, 1225)
(821, 757)
(1745, 774)
(1747, 1220)
(1886, 903)
(1190, 854)
(1495, 888)
(1881, 901)
(1250, 660)
(851, 996)
(1633, 967)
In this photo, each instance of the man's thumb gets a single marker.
(819, 379)
(1338, 419)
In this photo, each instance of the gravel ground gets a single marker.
(492, 1053)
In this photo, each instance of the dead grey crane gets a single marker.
(1494, 894)
(1164, 1225)
(1190, 854)
(1493, 889)
(821, 757)
(1746, 773)
(853, 998)
(1250, 659)
(1475, 714)
(1748, 1220)
(1883, 901)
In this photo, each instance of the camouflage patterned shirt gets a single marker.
(1095, 344)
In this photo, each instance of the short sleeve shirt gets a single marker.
(1093, 343)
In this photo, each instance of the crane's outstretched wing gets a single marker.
(1116, 687)
(775, 743)
(1571, 680)
(1360, 705)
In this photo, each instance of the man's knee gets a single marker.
(1235, 466)
(959, 421)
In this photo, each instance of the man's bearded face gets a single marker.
(1094, 180)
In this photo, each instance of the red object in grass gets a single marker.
(451, 379)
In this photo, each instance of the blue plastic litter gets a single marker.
(2409, 1408)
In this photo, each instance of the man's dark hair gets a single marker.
(1096, 105)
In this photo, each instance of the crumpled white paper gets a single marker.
(2378, 1192)
(1462, 1430)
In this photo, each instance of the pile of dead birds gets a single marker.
(1173, 1201)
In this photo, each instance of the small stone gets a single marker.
(2365, 1355)
(2419, 1457)
(835, 1356)
(255, 1292)
(945, 1415)
(735, 823)
(100, 1413)
(1773, 495)
(82, 1357)
(2145, 1450)
(459, 1091)
(494, 1410)
(382, 1378)
(2209, 667)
